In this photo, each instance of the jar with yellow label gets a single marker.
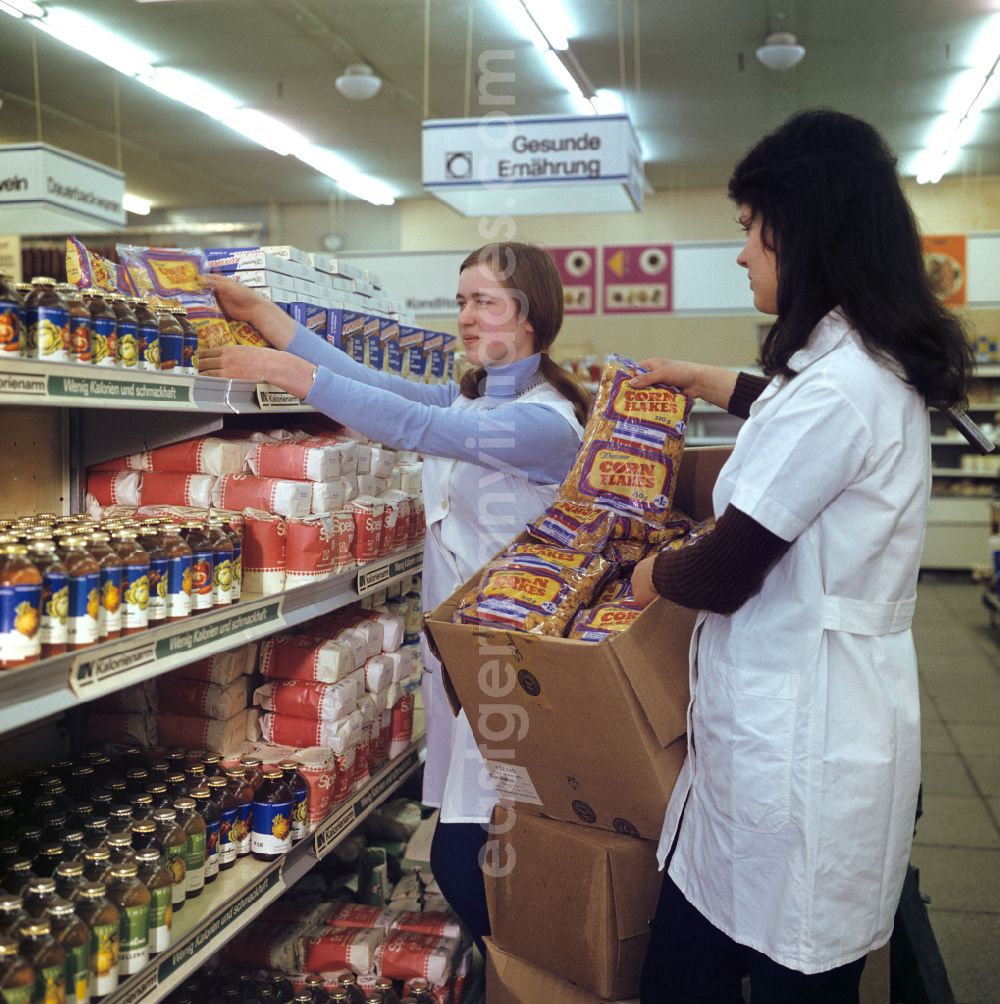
(102, 918)
(134, 582)
(11, 310)
(48, 958)
(103, 329)
(55, 597)
(79, 323)
(20, 607)
(222, 563)
(159, 881)
(172, 843)
(17, 977)
(159, 571)
(74, 936)
(129, 893)
(109, 615)
(127, 325)
(84, 592)
(272, 818)
(201, 564)
(147, 334)
(47, 319)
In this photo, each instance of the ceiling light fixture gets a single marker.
(781, 51)
(118, 52)
(973, 90)
(359, 82)
(133, 204)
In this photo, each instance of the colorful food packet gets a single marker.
(580, 526)
(86, 269)
(695, 533)
(597, 623)
(175, 275)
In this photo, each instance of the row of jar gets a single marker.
(57, 322)
(276, 988)
(66, 586)
(145, 869)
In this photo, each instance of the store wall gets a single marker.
(962, 205)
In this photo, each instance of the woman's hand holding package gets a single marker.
(714, 384)
(242, 303)
(245, 362)
(642, 581)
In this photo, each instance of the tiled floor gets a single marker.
(957, 847)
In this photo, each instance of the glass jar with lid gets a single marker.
(152, 542)
(193, 824)
(179, 559)
(271, 835)
(135, 580)
(172, 842)
(11, 328)
(218, 788)
(171, 340)
(201, 564)
(127, 325)
(48, 959)
(112, 568)
(74, 936)
(17, 977)
(300, 797)
(47, 318)
(84, 592)
(103, 329)
(147, 334)
(241, 790)
(20, 606)
(68, 877)
(222, 563)
(212, 815)
(189, 362)
(79, 323)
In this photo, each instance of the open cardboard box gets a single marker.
(582, 732)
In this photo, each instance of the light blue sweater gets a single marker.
(529, 439)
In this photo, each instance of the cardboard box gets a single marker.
(510, 980)
(577, 902)
(583, 732)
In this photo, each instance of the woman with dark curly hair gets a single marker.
(787, 836)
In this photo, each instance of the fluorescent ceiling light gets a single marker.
(93, 39)
(191, 91)
(22, 8)
(522, 22)
(346, 175)
(554, 61)
(608, 102)
(551, 20)
(974, 90)
(133, 204)
(265, 130)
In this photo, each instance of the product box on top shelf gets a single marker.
(309, 315)
(352, 334)
(575, 730)
(593, 932)
(510, 980)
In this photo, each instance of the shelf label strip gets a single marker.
(374, 575)
(91, 674)
(269, 398)
(327, 836)
(101, 389)
(218, 927)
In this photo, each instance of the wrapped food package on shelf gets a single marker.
(378, 672)
(316, 547)
(401, 728)
(264, 553)
(286, 730)
(197, 732)
(204, 455)
(407, 955)
(439, 923)
(121, 727)
(135, 700)
(245, 491)
(599, 622)
(318, 702)
(324, 949)
(268, 946)
(183, 696)
(177, 489)
(402, 663)
(308, 657)
(306, 460)
(114, 489)
(399, 510)
(368, 514)
(329, 496)
(368, 484)
(222, 669)
(381, 461)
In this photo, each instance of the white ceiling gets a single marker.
(702, 97)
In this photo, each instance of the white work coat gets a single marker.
(800, 786)
(472, 512)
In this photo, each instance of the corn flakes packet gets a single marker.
(575, 525)
(624, 553)
(616, 590)
(695, 533)
(246, 334)
(87, 269)
(523, 599)
(176, 275)
(632, 447)
(600, 622)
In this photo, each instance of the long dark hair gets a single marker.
(825, 189)
(529, 272)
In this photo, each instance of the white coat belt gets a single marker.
(853, 616)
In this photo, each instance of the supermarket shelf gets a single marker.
(983, 406)
(75, 385)
(960, 472)
(53, 685)
(242, 893)
(949, 441)
(709, 440)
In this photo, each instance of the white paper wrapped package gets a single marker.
(396, 519)
(306, 460)
(244, 491)
(382, 462)
(402, 663)
(407, 955)
(364, 455)
(333, 494)
(206, 700)
(368, 484)
(337, 736)
(303, 657)
(324, 702)
(196, 732)
(325, 949)
(378, 674)
(269, 946)
(108, 489)
(177, 489)
(440, 924)
(205, 455)
(222, 669)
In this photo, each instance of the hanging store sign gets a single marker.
(534, 165)
(44, 190)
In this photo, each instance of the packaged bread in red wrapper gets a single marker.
(222, 669)
(206, 700)
(368, 514)
(325, 702)
(324, 949)
(108, 489)
(244, 491)
(197, 732)
(204, 455)
(309, 658)
(264, 553)
(268, 946)
(306, 460)
(286, 730)
(177, 489)
(407, 955)
(310, 549)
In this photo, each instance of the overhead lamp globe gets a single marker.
(359, 82)
(781, 51)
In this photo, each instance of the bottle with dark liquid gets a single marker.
(271, 835)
